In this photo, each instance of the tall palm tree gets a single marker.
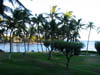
(35, 20)
(67, 26)
(31, 32)
(7, 8)
(90, 26)
(53, 24)
(25, 19)
(16, 22)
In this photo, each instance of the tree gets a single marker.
(31, 32)
(67, 48)
(90, 26)
(78, 25)
(16, 23)
(25, 20)
(7, 8)
(67, 25)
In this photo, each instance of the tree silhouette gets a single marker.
(90, 26)
(16, 24)
(4, 7)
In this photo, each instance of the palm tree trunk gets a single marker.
(37, 44)
(25, 46)
(28, 45)
(41, 43)
(9, 57)
(88, 41)
(18, 45)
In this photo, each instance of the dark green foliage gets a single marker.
(61, 45)
(58, 45)
(2, 51)
(78, 47)
(97, 46)
(46, 43)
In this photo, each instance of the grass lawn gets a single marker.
(37, 64)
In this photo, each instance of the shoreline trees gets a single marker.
(49, 26)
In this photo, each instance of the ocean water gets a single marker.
(91, 46)
(16, 48)
(20, 47)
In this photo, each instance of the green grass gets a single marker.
(37, 64)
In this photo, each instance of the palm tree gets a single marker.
(31, 32)
(53, 23)
(39, 28)
(7, 8)
(67, 26)
(16, 23)
(90, 26)
(25, 19)
(35, 20)
(77, 27)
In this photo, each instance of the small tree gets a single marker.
(68, 48)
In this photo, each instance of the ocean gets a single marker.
(91, 46)
(16, 48)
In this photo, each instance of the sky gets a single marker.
(88, 10)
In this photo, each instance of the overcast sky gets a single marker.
(88, 10)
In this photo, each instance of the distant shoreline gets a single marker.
(21, 42)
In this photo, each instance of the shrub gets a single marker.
(97, 46)
(46, 43)
(1, 51)
(78, 47)
(59, 45)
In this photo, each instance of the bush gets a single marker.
(1, 51)
(97, 46)
(78, 47)
(61, 45)
(46, 43)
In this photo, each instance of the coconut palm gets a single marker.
(35, 20)
(25, 19)
(78, 26)
(31, 32)
(7, 8)
(67, 26)
(16, 23)
(90, 26)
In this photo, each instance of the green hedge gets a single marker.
(61, 45)
(97, 46)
